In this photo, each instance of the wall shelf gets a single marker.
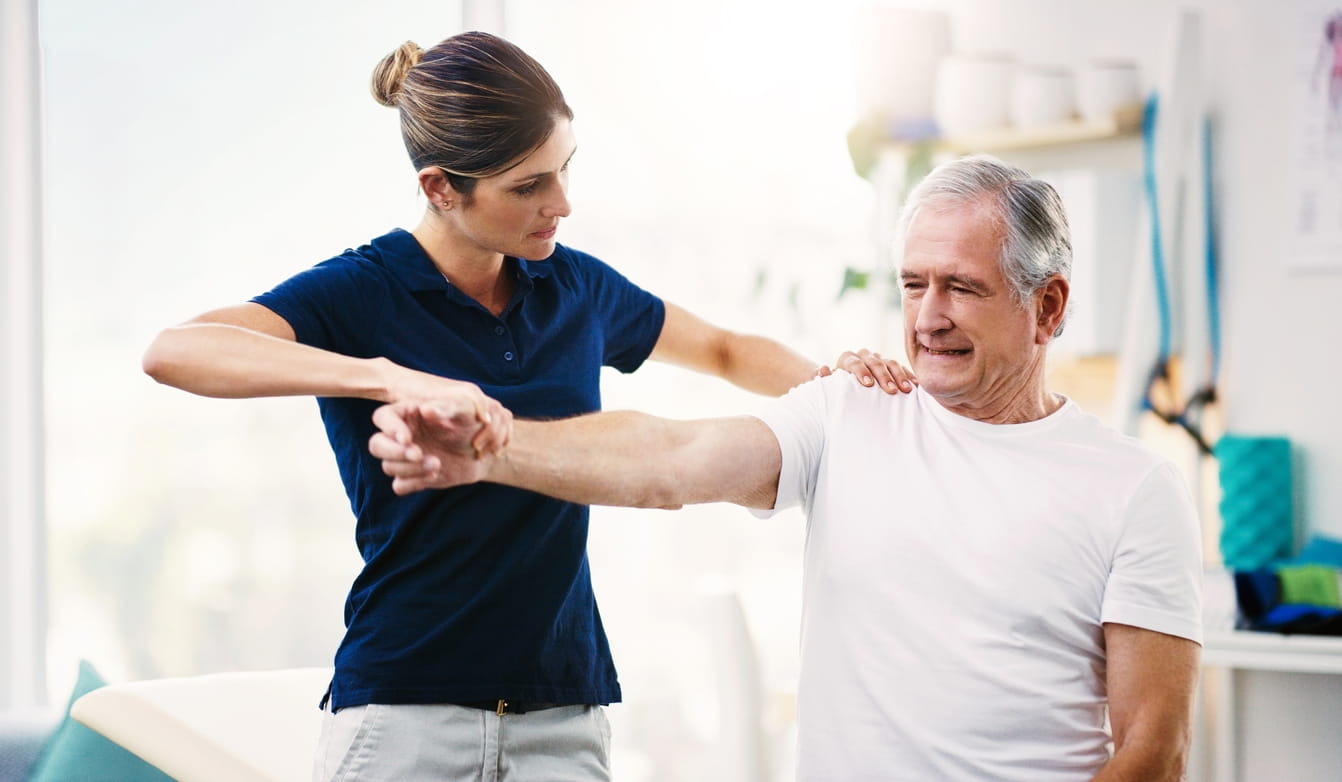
(1126, 123)
(1273, 652)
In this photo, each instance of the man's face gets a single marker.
(971, 344)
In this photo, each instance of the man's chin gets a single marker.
(938, 387)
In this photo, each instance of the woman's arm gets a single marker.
(761, 364)
(752, 362)
(250, 351)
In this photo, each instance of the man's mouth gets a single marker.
(935, 352)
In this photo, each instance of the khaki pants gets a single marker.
(442, 743)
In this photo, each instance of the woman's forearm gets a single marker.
(763, 365)
(228, 361)
(752, 362)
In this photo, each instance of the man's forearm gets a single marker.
(636, 460)
(1159, 764)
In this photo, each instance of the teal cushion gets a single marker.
(75, 753)
(1257, 511)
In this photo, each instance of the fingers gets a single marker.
(385, 447)
(404, 486)
(860, 364)
(439, 442)
(496, 429)
(391, 419)
(400, 468)
(871, 369)
(466, 426)
(901, 375)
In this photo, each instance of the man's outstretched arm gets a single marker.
(617, 458)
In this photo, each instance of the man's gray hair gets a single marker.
(1038, 242)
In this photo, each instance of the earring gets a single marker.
(447, 204)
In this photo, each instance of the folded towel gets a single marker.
(1309, 584)
(1290, 599)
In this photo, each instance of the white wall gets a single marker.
(1281, 327)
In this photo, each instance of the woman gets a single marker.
(472, 637)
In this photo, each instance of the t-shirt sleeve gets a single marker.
(631, 317)
(1156, 578)
(329, 305)
(797, 420)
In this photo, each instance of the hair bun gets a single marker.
(391, 71)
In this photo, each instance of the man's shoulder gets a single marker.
(1085, 436)
(841, 388)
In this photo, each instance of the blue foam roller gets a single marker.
(1257, 518)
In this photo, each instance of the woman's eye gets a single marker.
(526, 190)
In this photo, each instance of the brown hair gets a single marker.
(472, 105)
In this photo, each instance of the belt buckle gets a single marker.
(502, 707)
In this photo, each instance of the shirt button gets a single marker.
(498, 330)
(508, 356)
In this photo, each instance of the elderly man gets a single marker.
(990, 572)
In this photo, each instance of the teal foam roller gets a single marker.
(1257, 519)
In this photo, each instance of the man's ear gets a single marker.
(435, 186)
(1051, 305)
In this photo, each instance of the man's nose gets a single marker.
(933, 312)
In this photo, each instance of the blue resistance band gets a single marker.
(1210, 258)
(1160, 371)
(1157, 249)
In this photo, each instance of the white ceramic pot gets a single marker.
(896, 54)
(1042, 96)
(971, 93)
(1105, 87)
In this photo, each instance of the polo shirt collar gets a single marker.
(420, 273)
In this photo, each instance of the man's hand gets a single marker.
(438, 444)
(451, 398)
(871, 369)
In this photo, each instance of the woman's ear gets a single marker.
(433, 183)
(1052, 307)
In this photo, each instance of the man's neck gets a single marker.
(1029, 405)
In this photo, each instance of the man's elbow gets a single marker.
(1163, 760)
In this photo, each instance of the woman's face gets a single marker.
(517, 212)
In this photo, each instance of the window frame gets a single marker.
(23, 592)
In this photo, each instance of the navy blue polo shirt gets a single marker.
(478, 592)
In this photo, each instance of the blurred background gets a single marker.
(195, 154)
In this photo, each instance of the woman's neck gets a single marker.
(474, 271)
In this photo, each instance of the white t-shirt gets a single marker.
(957, 575)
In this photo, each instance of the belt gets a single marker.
(503, 706)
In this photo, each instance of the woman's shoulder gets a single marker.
(393, 256)
(572, 260)
(569, 264)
